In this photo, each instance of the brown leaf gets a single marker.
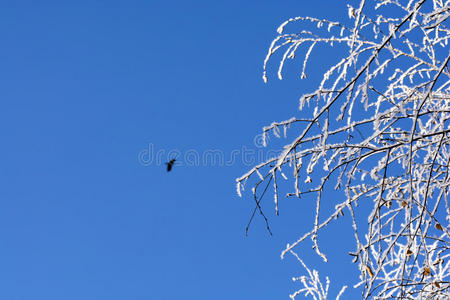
(404, 204)
(426, 271)
(409, 252)
(369, 270)
(437, 284)
(439, 227)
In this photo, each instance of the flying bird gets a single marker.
(170, 164)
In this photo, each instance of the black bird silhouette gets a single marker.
(170, 164)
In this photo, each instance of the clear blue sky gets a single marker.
(85, 87)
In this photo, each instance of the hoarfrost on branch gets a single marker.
(382, 110)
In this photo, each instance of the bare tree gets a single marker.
(380, 132)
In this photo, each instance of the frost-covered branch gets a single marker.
(379, 131)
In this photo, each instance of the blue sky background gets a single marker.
(88, 85)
